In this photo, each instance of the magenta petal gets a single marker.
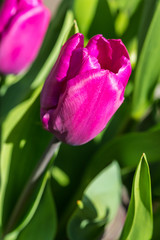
(99, 47)
(7, 10)
(85, 88)
(112, 55)
(81, 62)
(23, 4)
(20, 42)
(62, 65)
(54, 83)
(120, 63)
(89, 101)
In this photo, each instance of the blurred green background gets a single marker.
(85, 191)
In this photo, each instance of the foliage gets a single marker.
(98, 171)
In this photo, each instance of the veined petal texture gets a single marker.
(85, 88)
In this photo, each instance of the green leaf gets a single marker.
(148, 68)
(43, 224)
(103, 21)
(139, 221)
(124, 5)
(11, 122)
(67, 175)
(130, 6)
(73, 29)
(21, 132)
(125, 9)
(121, 23)
(84, 13)
(14, 234)
(21, 150)
(148, 12)
(126, 150)
(99, 205)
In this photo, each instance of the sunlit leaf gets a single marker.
(84, 13)
(139, 221)
(72, 30)
(98, 206)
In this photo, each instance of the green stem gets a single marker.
(30, 186)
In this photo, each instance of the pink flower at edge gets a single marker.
(84, 88)
(23, 25)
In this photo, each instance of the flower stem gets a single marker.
(31, 184)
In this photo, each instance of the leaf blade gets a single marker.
(99, 205)
(147, 71)
(140, 207)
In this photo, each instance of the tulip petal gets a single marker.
(81, 62)
(15, 54)
(7, 10)
(63, 62)
(89, 101)
(99, 47)
(112, 55)
(120, 63)
(50, 95)
(23, 4)
(85, 88)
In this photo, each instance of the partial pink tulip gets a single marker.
(23, 24)
(84, 88)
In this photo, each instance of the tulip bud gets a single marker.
(23, 24)
(84, 88)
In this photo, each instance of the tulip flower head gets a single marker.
(84, 88)
(23, 24)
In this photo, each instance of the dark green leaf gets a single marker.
(126, 150)
(23, 138)
(43, 224)
(148, 68)
(156, 221)
(103, 21)
(21, 150)
(148, 11)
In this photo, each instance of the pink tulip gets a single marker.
(84, 88)
(23, 24)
